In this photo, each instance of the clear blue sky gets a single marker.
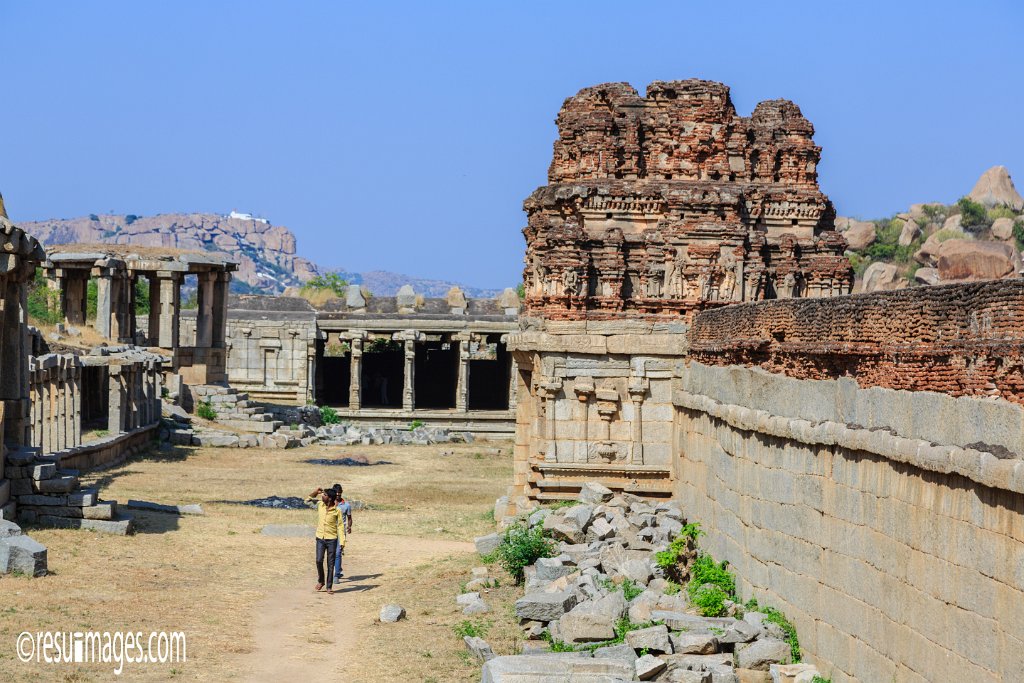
(404, 136)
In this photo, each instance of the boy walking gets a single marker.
(345, 525)
(329, 531)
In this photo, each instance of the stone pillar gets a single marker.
(462, 383)
(221, 281)
(76, 425)
(204, 315)
(115, 401)
(548, 391)
(153, 334)
(170, 308)
(513, 381)
(104, 302)
(355, 394)
(408, 376)
(637, 390)
(584, 389)
(73, 289)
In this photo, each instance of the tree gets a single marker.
(973, 216)
(330, 282)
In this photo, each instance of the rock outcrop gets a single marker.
(995, 188)
(265, 253)
(974, 260)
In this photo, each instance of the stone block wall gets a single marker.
(272, 358)
(960, 340)
(887, 524)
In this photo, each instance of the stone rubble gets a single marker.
(606, 544)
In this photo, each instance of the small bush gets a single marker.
(947, 234)
(673, 560)
(206, 411)
(471, 629)
(522, 546)
(1018, 233)
(710, 600)
(711, 584)
(973, 216)
(997, 212)
(43, 302)
(329, 416)
(774, 616)
(934, 212)
(415, 424)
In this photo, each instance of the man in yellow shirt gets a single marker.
(329, 530)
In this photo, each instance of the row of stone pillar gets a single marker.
(409, 374)
(134, 395)
(55, 393)
(115, 303)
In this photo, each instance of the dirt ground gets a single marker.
(246, 601)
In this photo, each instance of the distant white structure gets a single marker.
(247, 217)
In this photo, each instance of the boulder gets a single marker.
(752, 676)
(1002, 228)
(556, 667)
(760, 654)
(545, 606)
(909, 233)
(477, 606)
(653, 639)
(621, 651)
(973, 260)
(995, 188)
(793, 673)
(9, 528)
(406, 298)
(881, 276)
(859, 234)
(466, 598)
(592, 492)
(551, 568)
(354, 297)
(648, 666)
(927, 276)
(389, 614)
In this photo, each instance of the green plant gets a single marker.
(206, 411)
(330, 282)
(820, 679)
(521, 291)
(564, 504)
(1018, 233)
(711, 584)
(381, 346)
(141, 298)
(191, 301)
(947, 234)
(672, 560)
(43, 302)
(934, 211)
(997, 212)
(672, 588)
(774, 616)
(522, 546)
(710, 600)
(471, 629)
(973, 216)
(329, 416)
(416, 424)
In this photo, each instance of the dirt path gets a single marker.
(293, 632)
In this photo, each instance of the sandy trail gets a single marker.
(293, 632)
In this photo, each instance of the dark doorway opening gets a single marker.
(336, 372)
(489, 378)
(95, 399)
(383, 374)
(437, 371)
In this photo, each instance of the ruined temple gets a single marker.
(664, 205)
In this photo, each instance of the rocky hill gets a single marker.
(980, 237)
(266, 254)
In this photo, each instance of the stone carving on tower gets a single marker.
(663, 205)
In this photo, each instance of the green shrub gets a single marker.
(1018, 233)
(997, 212)
(521, 291)
(329, 416)
(331, 282)
(819, 679)
(629, 588)
(710, 599)
(522, 546)
(43, 302)
(973, 216)
(471, 629)
(415, 424)
(774, 616)
(206, 411)
(934, 212)
(947, 234)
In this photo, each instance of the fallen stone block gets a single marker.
(485, 545)
(694, 644)
(551, 568)
(121, 526)
(654, 639)
(23, 555)
(9, 528)
(478, 648)
(592, 621)
(593, 492)
(545, 606)
(555, 667)
(466, 598)
(44, 471)
(649, 666)
(477, 606)
(760, 654)
(289, 530)
(83, 497)
(51, 501)
(751, 676)
(101, 510)
(621, 652)
(193, 509)
(699, 662)
(389, 614)
(793, 673)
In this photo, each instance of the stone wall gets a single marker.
(887, 523)
(960, 340)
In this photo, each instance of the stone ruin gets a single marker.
(672, 203)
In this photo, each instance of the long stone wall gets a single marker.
(887, 523)
(962, 340)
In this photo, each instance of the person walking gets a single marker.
(328, 529)
(345, 512)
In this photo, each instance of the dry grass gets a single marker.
(206, 575)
